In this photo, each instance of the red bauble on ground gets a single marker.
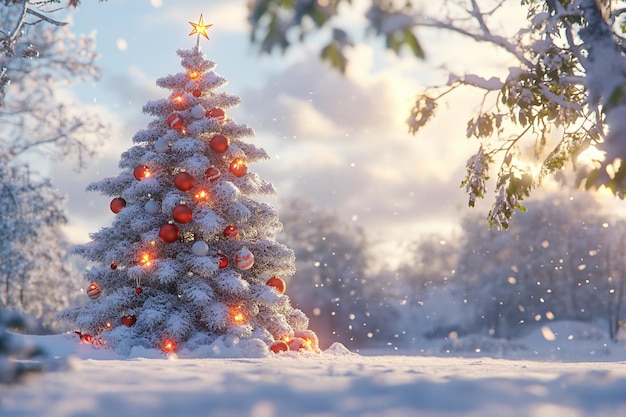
(279, 346)
(238, 167)
(219, 143)
(169, 233)
(184, 181)
(117, 204)
(298, 344)
(129, 320)
(182, 213)
(113, 266)
(175, 121)
(94, 291)
(277, 283)
(138, 290)
(231, 232)
(212, 174)
(216, 114)
(222, 260)
(141, 172)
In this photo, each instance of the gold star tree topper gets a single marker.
(200, 29)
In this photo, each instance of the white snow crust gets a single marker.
(574, 372)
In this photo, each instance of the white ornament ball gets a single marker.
(198, 112)
(162, 145)
(200, 248)
(244, 259)
(152, 207)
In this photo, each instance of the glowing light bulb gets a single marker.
(169, 346)
(202, 194)
(237, 315)
(145, 259)
(193, 75)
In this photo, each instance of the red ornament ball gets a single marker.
(279, 346)
(244, 259)
(196, 93)
(231, 232)
(277, 283)
(94, 291)
(175, 121)
(212, 174)
(298, 344)
(169, 233)
(129, 320)
(113, 266)
(222, 260)
(138, 290)
(219, 143)
(117, 204)
(182, 213)
(184, 181)
(238, 167)
(141, 172)
(216, 114)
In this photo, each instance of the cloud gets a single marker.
(342, 142)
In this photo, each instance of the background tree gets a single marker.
(550, 266)
(34, 117)
(34, 274)
(38, 54)
(330, 284)
(564, 91)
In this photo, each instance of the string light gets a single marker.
(202, 194)
(169, 346)
(193, 75)
(237, 315)
(146, 260)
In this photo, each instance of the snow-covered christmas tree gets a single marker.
(191, 258)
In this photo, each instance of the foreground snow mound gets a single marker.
(338, 384)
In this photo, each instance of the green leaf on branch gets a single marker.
(397, 39)
(334, 55)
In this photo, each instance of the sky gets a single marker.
(340, 141)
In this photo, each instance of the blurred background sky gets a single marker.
(340, 141)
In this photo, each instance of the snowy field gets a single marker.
(567, 370)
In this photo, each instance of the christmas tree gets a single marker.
(190, 257)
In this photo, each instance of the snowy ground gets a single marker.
(589, 379)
